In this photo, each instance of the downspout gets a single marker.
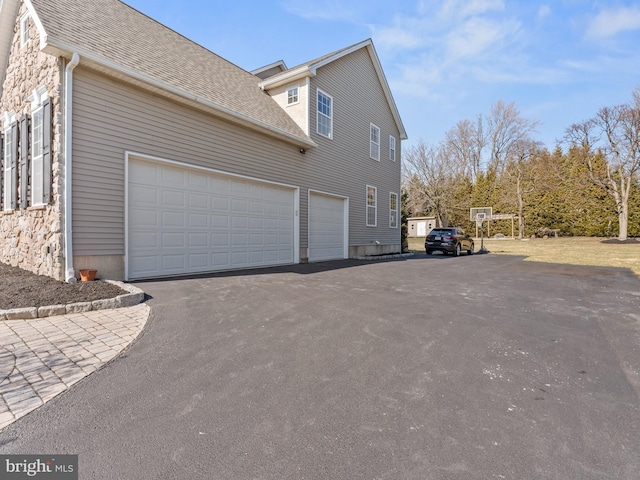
(70, 273)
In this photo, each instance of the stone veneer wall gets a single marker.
(32, 238)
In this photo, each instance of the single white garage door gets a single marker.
(327, 227)
(183, 221)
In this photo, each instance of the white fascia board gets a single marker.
(387, 91)
(314, 66)
(289, 76)
(368, 44)
(57, 47)
(36, 19)
(279, 63)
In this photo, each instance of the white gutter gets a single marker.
(70, 273)
(57, 48)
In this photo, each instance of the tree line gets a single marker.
(588, 185)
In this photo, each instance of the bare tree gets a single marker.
(507, 131)
(416, 202)
(489, 141)
(465, 145)
(430, 177)
(520, 175)
(615, 133)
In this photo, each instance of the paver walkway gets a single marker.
(43, 357)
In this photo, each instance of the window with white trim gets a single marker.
(325, 115)
(393, 210)
(374, 150)
(36, 158)
(293, 96)
(40, 168)
(24, 30)
(392, 148)
(8, 162)
(372, 206)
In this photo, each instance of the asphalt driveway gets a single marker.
(476, 367)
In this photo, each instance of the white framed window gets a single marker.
(392, 148)
(37, 167)
(24, 30)
(374, 150)
(293, 95)
(38, 170)
(325, 115)
(8, 160)
(372, 206)
(393, 210)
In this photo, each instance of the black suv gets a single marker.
(448, 240)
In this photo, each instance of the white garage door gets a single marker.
(327, 227)
(184, 221)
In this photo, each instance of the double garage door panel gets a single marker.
(185, 221)
(327, 231)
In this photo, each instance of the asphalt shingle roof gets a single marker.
(114, 31)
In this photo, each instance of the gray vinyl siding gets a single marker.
(358, 101)
(111, 117)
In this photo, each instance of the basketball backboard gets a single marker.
(473, 212)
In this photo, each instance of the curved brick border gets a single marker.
(133, 297)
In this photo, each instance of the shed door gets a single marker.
(183, 221)
(327, 227)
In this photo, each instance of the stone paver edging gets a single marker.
(41, 358)
(133, 297)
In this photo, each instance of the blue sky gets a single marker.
(559, 61)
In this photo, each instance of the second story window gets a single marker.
(375, 142)
(292, 96)
(24, 30)
(325, 115)
(392, 148)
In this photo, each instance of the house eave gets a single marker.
(279, 63)
(8, 15)
(310, 70)
(290, 76)
(58, 48)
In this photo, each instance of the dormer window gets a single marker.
(24, 30)
(293, 96)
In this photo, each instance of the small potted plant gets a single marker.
(88, 275)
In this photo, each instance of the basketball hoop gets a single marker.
(479, 219)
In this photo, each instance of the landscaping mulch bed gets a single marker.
(20, 289)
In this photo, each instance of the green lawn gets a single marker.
(570, 250)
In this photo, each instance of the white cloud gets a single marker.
(544, 11)
(396, 38)
(478, 36)
(609, 23)
(321, 10)
(469, 8)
